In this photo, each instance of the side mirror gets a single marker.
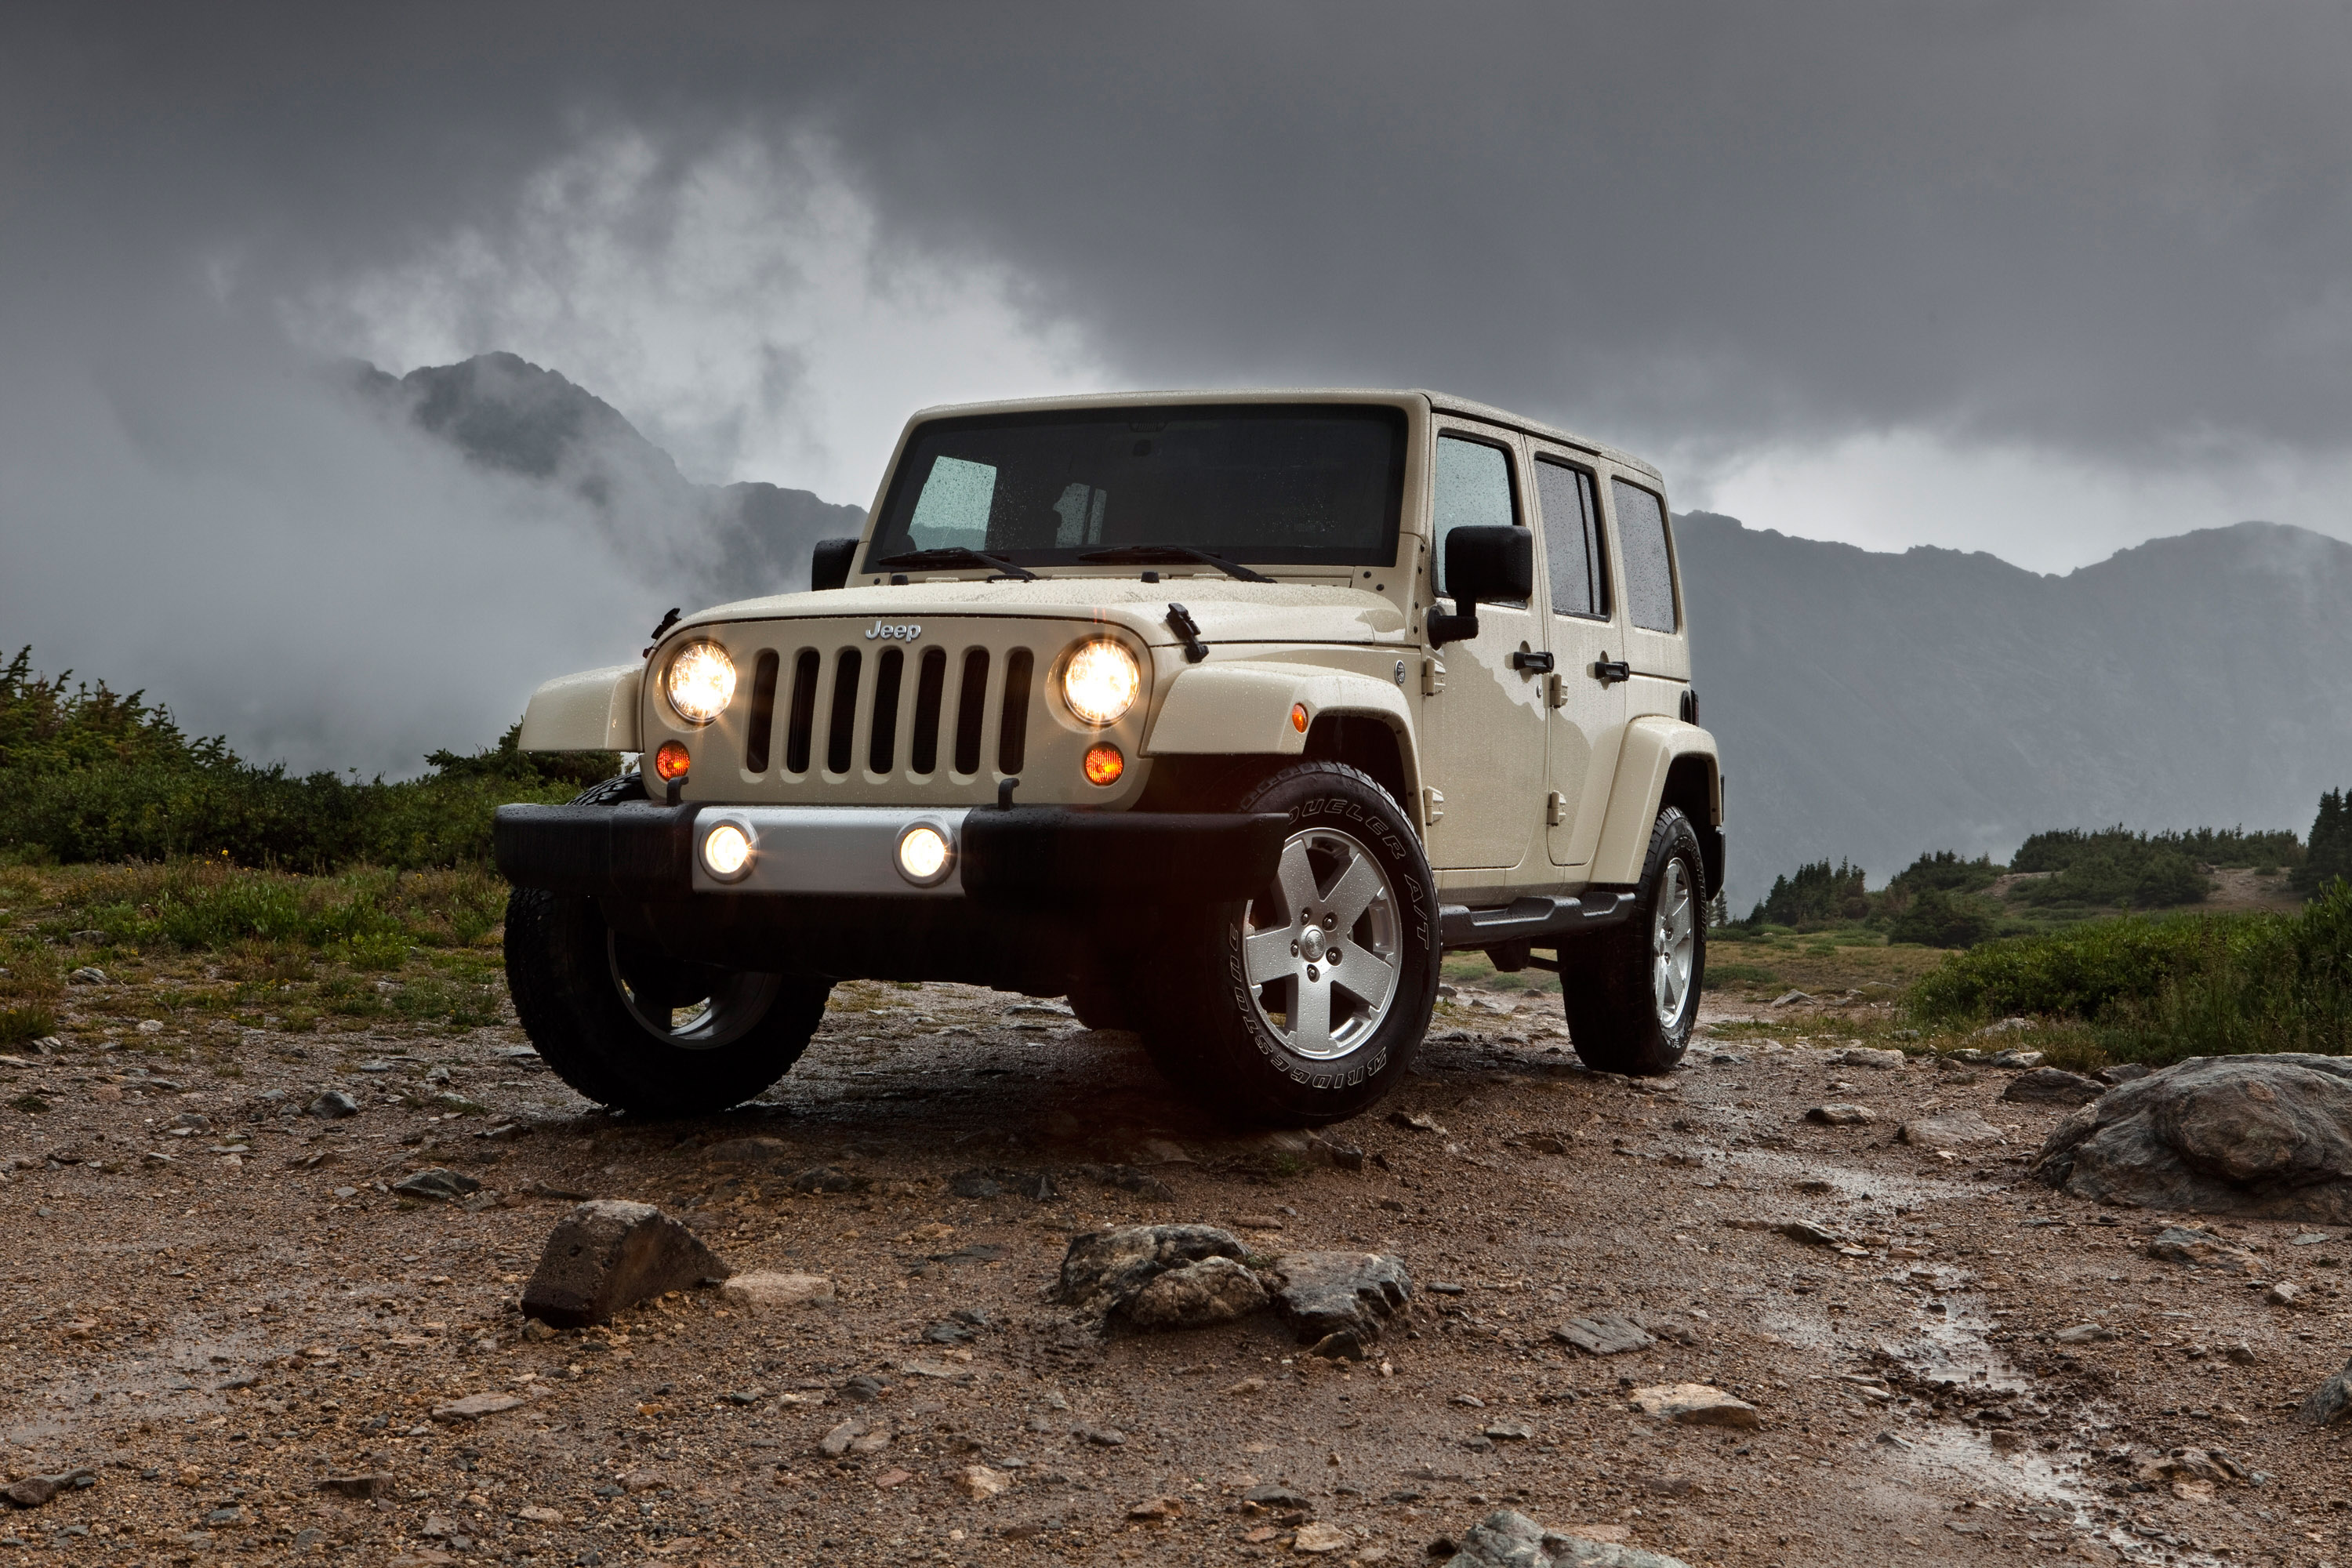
(1493, 565)
(830, 561)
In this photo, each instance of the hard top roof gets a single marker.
(1442, 402)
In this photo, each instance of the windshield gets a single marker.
(1285, 484)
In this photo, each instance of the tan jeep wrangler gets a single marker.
(1225, 715)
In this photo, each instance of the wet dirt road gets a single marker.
(213, 1301)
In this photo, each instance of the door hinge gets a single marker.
(1556, 690)
(1555, 809)
(1433, 805)
(1433, 677)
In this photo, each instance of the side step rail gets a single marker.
(1533, 918)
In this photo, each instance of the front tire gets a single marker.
(1305, 1004)
(1631, 994)
(628, 1026)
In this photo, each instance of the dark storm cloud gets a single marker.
(2118, 232)
(2101, 226)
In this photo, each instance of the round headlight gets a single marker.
(1101, 680)
(924, 854)
(700, 682)
(727, 850)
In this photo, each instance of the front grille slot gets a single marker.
(1013, 739)
(972, 703)
(763, 712)
(930, 685)
(840, 739)
(880, 748)
(806, 667)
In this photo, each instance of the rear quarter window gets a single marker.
(1646, 566)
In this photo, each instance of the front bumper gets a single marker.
(1024, 856)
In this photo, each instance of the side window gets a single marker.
(1473, 490)
(1649, 561)
(1579, 575)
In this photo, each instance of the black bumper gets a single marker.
(1027, 856)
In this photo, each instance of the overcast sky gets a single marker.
(2035, 279)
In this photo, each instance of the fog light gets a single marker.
(671, 762)
(1104, 764)
(727, 850)
(924, 855)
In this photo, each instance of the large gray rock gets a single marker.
(1324, 1293)
(2268, 1136)
(609, 1255)
(1507, 1539)
(1197, 1296)
(1106, 1269)
(2053, 1086)
(2331, 1402)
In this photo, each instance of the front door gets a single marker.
(1484, 729)
(1585, 693)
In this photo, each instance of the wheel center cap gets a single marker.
(1311, 944)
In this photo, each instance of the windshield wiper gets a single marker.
(1171, 556)
(956, 556)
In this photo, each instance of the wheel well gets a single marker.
(1361, 742)
(1690, 786)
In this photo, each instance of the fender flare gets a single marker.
(594, 711)
(1246, 707)
(1652, 745)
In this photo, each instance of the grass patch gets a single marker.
(2160, 989)
(29, 1021)
(1741, 978)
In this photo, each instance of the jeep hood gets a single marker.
(1226, 610)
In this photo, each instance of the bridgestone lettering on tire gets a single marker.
(631, 1026)
(1632, 993)
(1261, 1016)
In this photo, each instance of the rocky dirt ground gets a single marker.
(214, 1300)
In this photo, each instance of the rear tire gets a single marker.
(1631, 994)
(628, 1026)
(1305, 1004)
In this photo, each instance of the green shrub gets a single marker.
(88, 776)
(2160, 989)
(28, 1021)
(1935, 918)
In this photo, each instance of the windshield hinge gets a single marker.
(1180, 622)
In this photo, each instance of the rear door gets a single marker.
(1584, 694)
(1485, 730)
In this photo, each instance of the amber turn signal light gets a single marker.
(1298, 716)
(1104, 764)
(671, 762)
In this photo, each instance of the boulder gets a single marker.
(1104, 1269)
(1948, 1129)
(608, 1255)
(1197, 1295)
(2268, 1136)
(1323, 1294)
(1695, 1404)
(767, 1291)
(2053, 1086)
(438, 1184)
(1603, 1333)
(2331, 1402)
(1507, 1539)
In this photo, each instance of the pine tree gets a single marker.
(2329, 854)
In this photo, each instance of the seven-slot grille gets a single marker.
(828, 710)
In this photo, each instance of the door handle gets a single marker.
(1539, 662)
(1608, 670)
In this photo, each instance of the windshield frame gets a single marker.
(896, 503)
